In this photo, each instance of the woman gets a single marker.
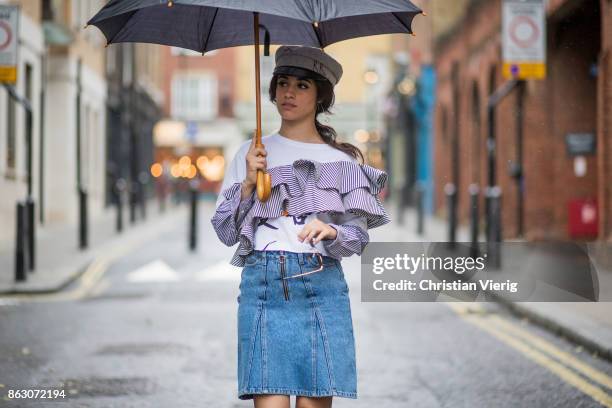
(295, 334)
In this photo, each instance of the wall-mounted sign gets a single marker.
(524, 39)
(9, 36)
(579, 144)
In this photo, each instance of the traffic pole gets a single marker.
(193, 219)
(20, 244)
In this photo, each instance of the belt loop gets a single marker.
(301, 258)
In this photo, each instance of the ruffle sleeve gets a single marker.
(352, 234)
(229, 216)
(307, 186)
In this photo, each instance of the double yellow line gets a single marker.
(587, 379)
(86, 283)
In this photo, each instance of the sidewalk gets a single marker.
(58, 259)
(589, 324)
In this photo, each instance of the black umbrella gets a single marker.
(205, 25)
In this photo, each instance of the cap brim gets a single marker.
(299, 72)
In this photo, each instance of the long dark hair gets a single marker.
(325, 100)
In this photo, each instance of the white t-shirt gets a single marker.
(282, 233)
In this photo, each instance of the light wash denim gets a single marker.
(294, 339)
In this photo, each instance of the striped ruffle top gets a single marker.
(306, 178)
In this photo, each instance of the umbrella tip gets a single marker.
(413, 34)
(107, 44)
(85, 26)
(423, 13)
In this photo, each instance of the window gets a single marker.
(127, 62)
(194, 96)
(111, 61)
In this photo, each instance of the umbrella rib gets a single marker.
(110, 41)
(210, 30)
(402, 23)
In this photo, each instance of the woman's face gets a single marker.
(296, 99)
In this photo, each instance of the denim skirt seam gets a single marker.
(321, 323)
(256, 323)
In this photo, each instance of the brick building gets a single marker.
(529, 159)
(199, 115)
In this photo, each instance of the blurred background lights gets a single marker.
(362, 136)
(212, 169)
(191, 172)
(370, 77)
(184, 162)
(175, 170)
(202, 162)
(406, 87)
(156, 170)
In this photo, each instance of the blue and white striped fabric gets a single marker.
(343, 193)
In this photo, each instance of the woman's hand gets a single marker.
(315, 231)
(255, 160)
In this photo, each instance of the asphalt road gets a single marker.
(157, 328)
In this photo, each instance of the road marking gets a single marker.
(100, 287)
(8, 302)
(85, 283)
(156, 271)
(221, 271)
(564, 357)
(476, 315)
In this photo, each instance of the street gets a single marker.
(157, 328)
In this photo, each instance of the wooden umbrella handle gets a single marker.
(264, 181)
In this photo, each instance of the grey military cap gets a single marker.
(304, 61)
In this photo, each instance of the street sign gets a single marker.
(524, 39)
(579, 144)
(9, 36)
(191, 131)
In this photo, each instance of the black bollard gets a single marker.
(83, 230)
(474, 192)
(143, 179)
(20, 243)
(193, 220)
(419, 193)
(494, 233)
(451, 198)
(133, 194)
(31, 233)
(120, 186)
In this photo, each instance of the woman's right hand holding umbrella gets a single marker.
(255, 161)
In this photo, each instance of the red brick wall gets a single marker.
(604, 139)
(565, 102)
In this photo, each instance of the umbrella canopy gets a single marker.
(205, 25)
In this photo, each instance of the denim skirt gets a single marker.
(295, 335)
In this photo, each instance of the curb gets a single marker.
(557, 328)
(74, 276)
(81, 266)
